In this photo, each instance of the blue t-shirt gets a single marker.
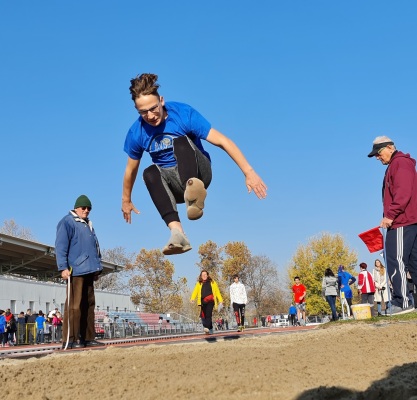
(40, 321)
(182, 120)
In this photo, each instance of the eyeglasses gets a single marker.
(380, 150)
(85, 208)
(153, 110)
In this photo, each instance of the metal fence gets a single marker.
(29, 334)
(122, 329)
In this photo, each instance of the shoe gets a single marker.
(210, 331)
(395, 310)
(93, 343)
(73, 345)
(194, 196)
(206, 331)
(177, 244)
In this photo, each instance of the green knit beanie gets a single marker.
(82, 201)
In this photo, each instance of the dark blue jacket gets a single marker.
(76, 246)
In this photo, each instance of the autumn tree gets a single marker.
(116, 281)
(264, 286)
(152, 284)
(311, 260)
(189, 310)
(210, 259)
(12, 229)
(237, 260)
(266, 291)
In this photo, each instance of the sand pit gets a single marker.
(337, 361)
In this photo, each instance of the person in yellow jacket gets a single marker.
(208, 296)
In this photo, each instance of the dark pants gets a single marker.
(3, 338)
(368, 298)
(81, 309)
(206, 314)
(401, 256)
(239, 311)
(292, 319)
(332, 303)
(166, 186)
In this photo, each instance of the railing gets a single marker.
(124, 329)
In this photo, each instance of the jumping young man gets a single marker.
(172, 133)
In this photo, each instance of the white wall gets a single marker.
(21, 294)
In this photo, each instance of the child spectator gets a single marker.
(40, 328)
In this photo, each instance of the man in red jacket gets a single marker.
(399, 195)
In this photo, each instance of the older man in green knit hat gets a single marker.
(79, 261)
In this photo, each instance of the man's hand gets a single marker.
(386, 223)
(127, 208)
(65, 274)
(255, 183)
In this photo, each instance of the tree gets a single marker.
(210, 259)
(237, 261)
(264, 286)
(310, 262)
(116, 281)
(152, 284)
(12, 229)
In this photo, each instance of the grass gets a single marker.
(412, 316)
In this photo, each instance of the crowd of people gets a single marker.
(30, 327)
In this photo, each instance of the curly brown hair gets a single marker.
(144, 84)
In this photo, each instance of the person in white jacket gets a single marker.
(238, 299)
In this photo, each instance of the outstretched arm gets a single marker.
(129, 179)
(253, 180)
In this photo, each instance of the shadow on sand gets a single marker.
(400, 384)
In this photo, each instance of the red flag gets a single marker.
(373, 239)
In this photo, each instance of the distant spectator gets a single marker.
(329, 288)
(21, 328)
(28, 314)
(8, 315)
(292, 312)
(345, 279)
(366, 286)
(47, 333)
(11, 329)
(300, 293)
(107, 326)
(52, 313)
(40, 328)
(3, 334)
(238, 299)
(381, 287)
(57, 327)
(412, 290)
(31, 327)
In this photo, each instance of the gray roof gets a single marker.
(23, 257)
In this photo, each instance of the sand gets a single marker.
(336, 361)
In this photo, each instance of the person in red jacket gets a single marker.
(366, 286)
(399, 195)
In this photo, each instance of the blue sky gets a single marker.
(302, 87)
